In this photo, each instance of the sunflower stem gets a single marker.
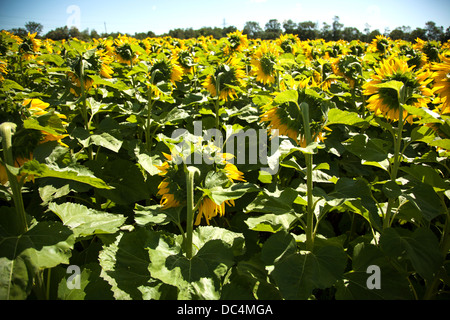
(217, 104)
(84, 112)
(190, 173)
(397, 159)
(7, 130)
(304, 110)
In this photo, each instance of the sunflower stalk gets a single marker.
(7, 130)
(84, 112)
(190, 174)
(217, 104)
(397, 156)
(304, 110)
(150, 103)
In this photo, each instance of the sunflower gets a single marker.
(227, 75)
(385, 100)
(98, 62)
(236, 42)
(441, 79)
(166, 70)
(30, 46)
(288, 43)
(185, 59)
(172, 188)
(124, 53)
(38, 108)
(18, 162)
(287, 119)
(3, 70)
(380, 44)
(264, 61)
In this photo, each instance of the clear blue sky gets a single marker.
(130, 16)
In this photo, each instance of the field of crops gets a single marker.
(224, 169)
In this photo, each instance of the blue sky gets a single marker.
(130, 16)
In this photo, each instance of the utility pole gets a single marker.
(106, 32)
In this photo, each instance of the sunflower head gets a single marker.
(185, 59)
(226, 76)
(165, 70)
(286, 117)
(30, 45)
(218, 173)
(380, 44)
(385, 100)
(288, 43)
(264, 62)
(123, 50)
(3, 70)
(441, 77)
(236, 42)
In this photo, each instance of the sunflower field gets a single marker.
(348, 198)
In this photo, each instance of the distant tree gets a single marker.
(94, 34)
(307, 30)
(350, 34)
(326, 32)
(252, 30)
(446, 36)
(58, 34)
(434, 32)
(20, 32)
(74, 32)
(336, 28)
(228, 30)
(33, 27)
(272, 29)
(290, 26)
(418, 33)
(372, 35)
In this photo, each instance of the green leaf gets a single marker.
(84, 221)
(45, 245)
(420, 247)
(201, 276)
(125, 263)
(394, 285)
(286, 97)
(338, 116)
(102, 139)
(393, 84)
(367, 148)
(156, 215)
(297, 274)
(427, 175)
(236, 191)
(113, 83)
(75, 173)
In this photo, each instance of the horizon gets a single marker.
(162, 16)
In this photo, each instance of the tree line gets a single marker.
(306, 30)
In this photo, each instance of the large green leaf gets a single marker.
(125, 263)
(200, 277)
(298, 273)
(338, 116)
(277, 208)
(75, 173)
(84, 221)
(420, 247)
(45, 245)
(367, 148)
(393, 284)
